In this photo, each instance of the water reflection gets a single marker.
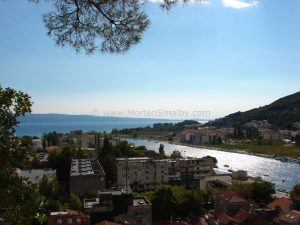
(269, 169)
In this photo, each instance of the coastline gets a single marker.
(281, 158)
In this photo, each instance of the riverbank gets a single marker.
(275, 151)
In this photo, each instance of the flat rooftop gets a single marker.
(84, 167)
(36, 175)
(140, 201)
(134, 159)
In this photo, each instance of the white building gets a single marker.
(146, 173)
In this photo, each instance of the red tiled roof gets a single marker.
(230, 197)
(283, 203)
(241, 216)
(105, 222)
(73, 212)
(225, 219)
(291, 217)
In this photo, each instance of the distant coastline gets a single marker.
(38, 124)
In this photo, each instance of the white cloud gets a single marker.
(239, 4)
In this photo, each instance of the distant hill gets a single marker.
(64, 118)
(281, 113)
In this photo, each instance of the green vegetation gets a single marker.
(161, 151)
(19, 201)
(159, 131)
(281, 113)
(297, 140)
(296, 191)
(258, 192)
(177, 201)
(176, 155)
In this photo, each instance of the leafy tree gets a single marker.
(91, 25)
(51, 138)
(19, 202)
(74, 202)
(109, 165)
(49, 188)
(297, 139)
(296, 190)
(176, 155)
(161, 151)
(262, 192)
(244, 190)
(178, 201)
(163, 202)
(36, 164)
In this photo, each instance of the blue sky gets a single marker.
(221, 57)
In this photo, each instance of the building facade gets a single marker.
(145, 173)
(86, 175)
(68, 217)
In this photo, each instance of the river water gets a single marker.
(268, 169)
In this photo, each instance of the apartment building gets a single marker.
(146, 173)
(68, 217)
(86, 175)
(205, 135)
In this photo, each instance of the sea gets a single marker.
(39, 128)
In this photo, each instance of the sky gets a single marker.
(206, 60)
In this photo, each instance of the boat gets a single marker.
(226, 165)
(230, 170)
(266, 175)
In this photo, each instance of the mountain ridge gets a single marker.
(281, 113)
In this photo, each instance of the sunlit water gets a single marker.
(256, 166)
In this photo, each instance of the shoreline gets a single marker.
(239, 151)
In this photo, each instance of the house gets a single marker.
(205, 135)
(86, 175)
(281, 205)
(290, 218)
(270, 135)
(229, 202)
(68, 217)
(139, 212)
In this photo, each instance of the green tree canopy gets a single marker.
(176, 155)
(19, 202)
(92, 25)
(296, 190)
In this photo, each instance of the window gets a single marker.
(59, 221)
(78, 220)
(69, 221)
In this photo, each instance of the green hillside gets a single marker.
(281, 113)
